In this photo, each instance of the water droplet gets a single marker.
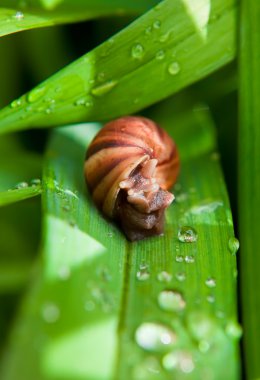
(179, 259)
(97, 294)
(143, 274)
(64, 272)
(180, 276)
(70, 193)
(189, 259)
(233, 330)
(202, 326)
(16, 103)
(181, 360)
(148, 30)
(210, 298)
(165, 37)
(48, 110)
(204, 346)
(137, 51)
(154, 337)
(35, 182)
(104, 88)
(89, 305)
(171, 300)
(164, 276)
(80, 102)
(160, 55)
(210, 282)
(174, 68)
(88, 103)
(18, 16)
(233, 245)
(36, 94)
(21, 185)
(187, 234)
(143, 265)
(50, 312)
(157, 24)
(110, 234)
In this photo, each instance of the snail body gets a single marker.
(130, 165)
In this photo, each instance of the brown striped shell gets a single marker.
(130, 165)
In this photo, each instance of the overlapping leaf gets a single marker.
(16, 16)
(173, 45)
(96, 290)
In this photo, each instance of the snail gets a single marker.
(129, 166)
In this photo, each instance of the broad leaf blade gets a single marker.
(249, 180)
(167, 49)
(14, 18)
(89, 298)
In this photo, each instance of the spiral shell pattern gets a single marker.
(132, 155)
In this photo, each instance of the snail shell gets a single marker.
(130, 165)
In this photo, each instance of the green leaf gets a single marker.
(16, 17)
(249, 180)
(96, 292)
(11, 196)
(170, 47)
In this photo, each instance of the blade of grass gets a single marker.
(11, 196)
(18, 245)
(15, 18)
(249, 180)
(89, 297)
(167, 49)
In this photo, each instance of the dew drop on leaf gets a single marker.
(36, 94)
(233, 330)
(160, 55)
(80, 102)
(64, 272)
(157, 24)
(164, 276)
(35, 182)
(210, 298)
(18, 16)
(189, 259)
(143, 275)
(104, 88)
(179, 259)
(181, 360)
(180, 276)
(154, 337)
(174, 68)
(16, 103)
(210, 282)
(50, 312)
(171, 300)
(204, 346)
(187, 234)
(137, 51)
(21, 185)
(148, 30)
(233, 245)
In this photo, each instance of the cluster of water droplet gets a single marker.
(35, 182)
